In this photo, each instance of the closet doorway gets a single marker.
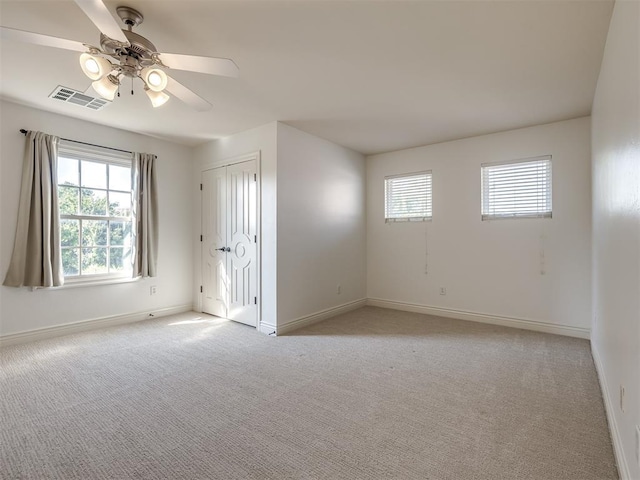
(230, 242)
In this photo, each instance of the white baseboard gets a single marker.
(319, 316)
(483, 318)
(267, 328)
(609, 405)
(84, 325)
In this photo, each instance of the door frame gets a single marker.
(225, 163)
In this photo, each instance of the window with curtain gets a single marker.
(96, 214)
(517, 189)
(408, 197)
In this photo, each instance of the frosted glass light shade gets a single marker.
(95, 67)
(157, 98)
(106, 87)
(155, 78)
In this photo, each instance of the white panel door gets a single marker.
(214, 239)
(230, 234)
(242, 235)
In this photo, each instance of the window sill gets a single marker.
(408, 219)
(90, 282)
(490, 218)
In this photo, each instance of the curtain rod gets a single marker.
(24, 132)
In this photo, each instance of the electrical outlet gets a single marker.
(622, 399)
(338, 289)
(443, 291)
(153, 290)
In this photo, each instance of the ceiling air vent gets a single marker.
(70, 95)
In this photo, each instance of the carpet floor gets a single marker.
(372, 394)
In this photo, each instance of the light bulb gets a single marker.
(92, 66)
(155, 78)
(106, 87)
(95, 67)
(157, 98)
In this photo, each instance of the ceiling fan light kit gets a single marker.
(95, 67)
(157, 98)
(137, 58)
(154, 78)
(106, 87)
(124, 53)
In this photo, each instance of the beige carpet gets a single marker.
(373, 394)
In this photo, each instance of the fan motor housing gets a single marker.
(139, 47)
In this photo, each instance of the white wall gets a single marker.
(616, 228)
(219, 152)
(22, 309)
(321, 225)
(490, 267)
(309, 243)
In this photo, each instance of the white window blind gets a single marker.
(408, 197)
(517, 189)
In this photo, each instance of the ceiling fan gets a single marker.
(123, 53)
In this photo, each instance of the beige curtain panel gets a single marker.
(145, 256)
(37, 259)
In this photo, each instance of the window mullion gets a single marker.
(95, 217)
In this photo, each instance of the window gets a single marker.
(96, 215)
(408, 197)
(517, 189)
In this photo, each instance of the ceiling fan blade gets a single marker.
(100, 15)
(176, 89)
(193, 63)
(39, 39)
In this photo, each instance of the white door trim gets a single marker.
(225, 163)
(232, 161)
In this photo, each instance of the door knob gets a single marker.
(221, 249)
(228, 249)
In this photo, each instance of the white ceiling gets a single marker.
(374, 76)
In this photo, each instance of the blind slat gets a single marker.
(408, 197)
(518, 189)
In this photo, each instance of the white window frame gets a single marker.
(78, 151)
(425, 215)
(529, 192)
